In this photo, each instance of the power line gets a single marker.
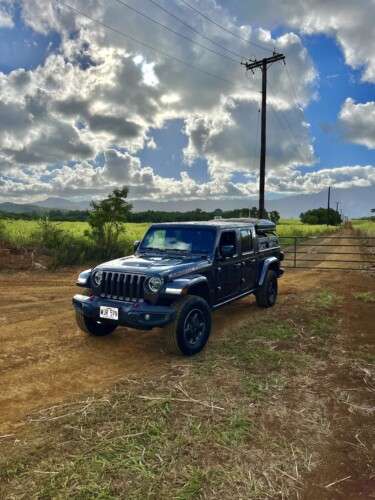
(189, 26)
(280, 117)
(287, 121)
(294, 95)
(171, 30)
(224, 28)
(144, 44)
(291, 85)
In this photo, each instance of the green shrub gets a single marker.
(321, 216)
(107, 223)
(62, 247)
(2, 231)
(67, 248)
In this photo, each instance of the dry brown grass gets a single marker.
(243, 420)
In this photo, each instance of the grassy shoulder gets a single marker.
(214, 426)
(20, 232)
(365, 226)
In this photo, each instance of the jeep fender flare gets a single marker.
(181, 286)
(268, 263)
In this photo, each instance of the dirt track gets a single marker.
(45, 359)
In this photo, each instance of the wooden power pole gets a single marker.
(263, 65)
(328, 205)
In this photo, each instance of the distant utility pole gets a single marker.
(328, 204)
(263, 65)
(337, 206)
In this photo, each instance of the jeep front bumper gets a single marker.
(138, 315)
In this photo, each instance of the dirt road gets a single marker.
(45, 359)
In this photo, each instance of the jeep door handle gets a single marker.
(238, 265)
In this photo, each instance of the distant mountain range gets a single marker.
(44, 206)
(355, 202)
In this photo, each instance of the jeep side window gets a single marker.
(246, 241)
(228, 238)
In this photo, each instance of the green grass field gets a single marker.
(20, 232)
(365, 226)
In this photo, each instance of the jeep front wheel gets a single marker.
(266, 295)
(189, 332)
(94, 327)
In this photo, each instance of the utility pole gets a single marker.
(263, 65)
(328, 204)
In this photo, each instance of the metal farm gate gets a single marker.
(351, 253)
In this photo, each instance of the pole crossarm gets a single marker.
(266, 60)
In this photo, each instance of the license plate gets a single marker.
(109, 312)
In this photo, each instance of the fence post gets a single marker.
(295, 251)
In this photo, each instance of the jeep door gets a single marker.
(228, 268)
(248, 260)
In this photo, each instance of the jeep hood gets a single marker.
(166, 264)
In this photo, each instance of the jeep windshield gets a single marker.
(179, 240)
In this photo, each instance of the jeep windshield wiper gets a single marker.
(177, 250)
(152, 250)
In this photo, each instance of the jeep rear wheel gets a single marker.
(94, 327)
(266, 295)
(189, 332)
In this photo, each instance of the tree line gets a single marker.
(321, 216)
(150, 216)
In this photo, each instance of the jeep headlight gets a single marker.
(98, 276)
(84, 278)
(154, 284)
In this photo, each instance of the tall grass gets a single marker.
(365, 226)
(287, 231)
(65, 243)
(68, 243)
(21, 233)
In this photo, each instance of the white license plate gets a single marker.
(109, 312)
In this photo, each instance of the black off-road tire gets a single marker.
(266, 296)
(94, 327)
(179, 339)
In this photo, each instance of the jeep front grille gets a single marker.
(122, 286)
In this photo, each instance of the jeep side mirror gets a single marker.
(136, 245)
(227, 251)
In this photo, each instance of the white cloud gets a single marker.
(6, 15)
(102, 91)
(358, 122)
(102, 94)
(350, 22)
(86, 179)
(230, 141)
(310, 182)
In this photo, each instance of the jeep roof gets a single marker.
(261, 224)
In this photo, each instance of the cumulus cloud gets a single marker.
(357, 121)
(102, 91)
(75, 124)
(230, 141)
(87, 179)
(351, 23)
(310, 182)
(6, 14)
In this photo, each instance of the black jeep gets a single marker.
(178, 274)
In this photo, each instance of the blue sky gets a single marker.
(336, 82)
(22, 47)
(190, 137)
